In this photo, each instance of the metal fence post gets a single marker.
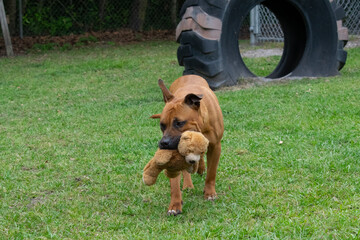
(20, 20)
(5, 30)
(254, 25)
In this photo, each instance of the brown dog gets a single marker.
(191, 105)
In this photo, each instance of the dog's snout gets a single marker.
(192, 162)
(164, 143)
(169, 143)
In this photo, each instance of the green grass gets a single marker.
(75, 135)
(263, 66)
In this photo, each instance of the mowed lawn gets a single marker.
(75, 134)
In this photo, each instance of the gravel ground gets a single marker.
(262, 53)
(354, 42)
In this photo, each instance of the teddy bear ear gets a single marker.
(185, 137)
(207, 141)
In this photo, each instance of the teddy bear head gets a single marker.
(192, 146)
(191, 149)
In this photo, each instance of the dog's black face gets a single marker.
(168, 142)
(171, 133)
(178, 116)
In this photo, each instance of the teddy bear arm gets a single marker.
(151, 172)
(163, 157)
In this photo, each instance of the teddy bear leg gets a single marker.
(175, 206)
(187, 180)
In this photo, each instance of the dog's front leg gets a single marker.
(175, 206)
(213, 156)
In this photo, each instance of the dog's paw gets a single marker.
(188, 186)
(210, 196)
(173, 212)
(175, 209)
(209, 192)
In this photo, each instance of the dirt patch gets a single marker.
(31, 169)
(246, 83)
(22, 46)
(34, 201)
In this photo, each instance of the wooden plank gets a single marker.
(5, 30)
(343, 32)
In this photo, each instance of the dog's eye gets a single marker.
(162, 127)
(179, 124)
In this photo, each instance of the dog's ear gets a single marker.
(193, 100)
(155, 116)
(166, 93)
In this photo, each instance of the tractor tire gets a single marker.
(209, 29)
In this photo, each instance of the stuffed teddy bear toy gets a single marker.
(190, 153)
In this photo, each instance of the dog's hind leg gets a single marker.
(201, 167)
(213, 156)
(175, 206)
(187, 180)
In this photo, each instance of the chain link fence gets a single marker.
(352, 20)
(63, 17)
(67, 17)
(266, 27)
(269, 27)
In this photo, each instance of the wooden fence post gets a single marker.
(5, 30)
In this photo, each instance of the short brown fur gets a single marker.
(206, 118)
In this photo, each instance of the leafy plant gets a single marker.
(44, 47)
(41, 22)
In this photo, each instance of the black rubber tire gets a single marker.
(341, 53)
(209, 29)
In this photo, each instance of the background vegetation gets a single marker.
(75, 135)
(65, 17)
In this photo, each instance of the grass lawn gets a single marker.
(75, 134)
